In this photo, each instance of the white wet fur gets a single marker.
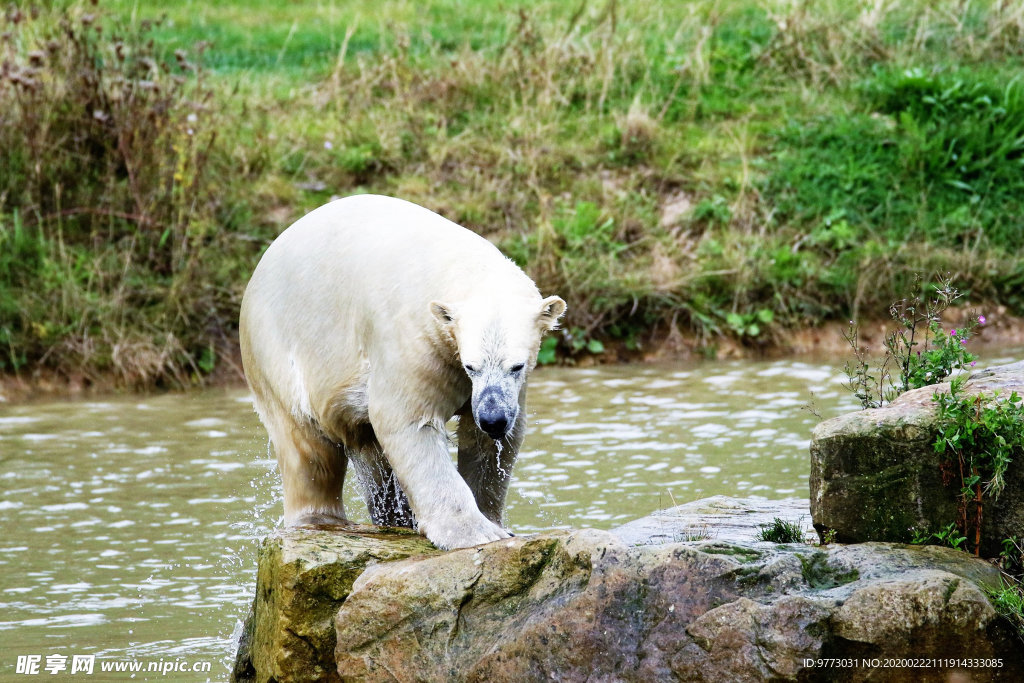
(366, 326)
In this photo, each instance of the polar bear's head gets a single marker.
(497, 346)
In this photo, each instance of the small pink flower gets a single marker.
(963, 341)
(981, 319)
(973, 363)
(952, 332)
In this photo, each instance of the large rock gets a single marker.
(875, 475)
(587, 606)
(304, 576)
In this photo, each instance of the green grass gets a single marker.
(732, 168)
(781, 531)
(1008, 600)
(936, 156)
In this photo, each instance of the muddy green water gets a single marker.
(129, 525)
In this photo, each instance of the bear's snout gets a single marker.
(492, 414)
(494, 423)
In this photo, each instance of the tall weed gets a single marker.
(107, 200)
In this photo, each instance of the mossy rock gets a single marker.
(583, 605)
(875, 474)
(304, 576)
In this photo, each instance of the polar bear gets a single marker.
(366, 326)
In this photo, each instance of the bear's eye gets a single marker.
(518, 367)
(469, 368)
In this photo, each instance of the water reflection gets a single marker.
(130, 526)
(611, 444)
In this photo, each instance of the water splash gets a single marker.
(498, 447)
(378, 484)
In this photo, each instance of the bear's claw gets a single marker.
(319, 519)
(464, 532)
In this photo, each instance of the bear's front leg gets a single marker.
(446, 512)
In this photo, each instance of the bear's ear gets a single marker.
(443, 313)
(551, 309)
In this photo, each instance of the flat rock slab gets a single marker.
(719, 518)
(875, 475)
(588, 606)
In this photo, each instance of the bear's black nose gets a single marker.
(494, 423)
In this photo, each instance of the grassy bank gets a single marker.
(724, 168)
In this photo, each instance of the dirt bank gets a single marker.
(824, 342)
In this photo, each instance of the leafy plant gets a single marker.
(942, 356)
(982, 435)
(749, 324)
(548, 350)
(917, 321)
(949, 536)
(207, 360)
(579, 340)
(587, 227)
